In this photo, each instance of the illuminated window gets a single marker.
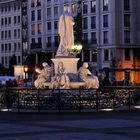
(85, 7)
(39, 28)
(105, 5)
(38, 2)
(33, 29)
(73, 8)
(93, 6)
(32, 3)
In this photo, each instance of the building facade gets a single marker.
(10, 31)
(110, 31)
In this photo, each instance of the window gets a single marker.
(55, 25)
(9, 7)
(48, 12)
(32, 3)
(85, 36)
(5, 21)
(38, 2)
(127, 54)
(9, 33)
(33, 15)
(2, 60)
(126, 20)
(49, 42)
(85, 24)
(49, 25)
(93, 22)
(39, 14)
(15, 6)
(33, 29)
(93, 38)
(2, 47)
(126, 36)
(86, 55)
(106, 55)
(18, 46)
(5, 34)
(33, 40)
(2, 22)
(39, 28)
(15, 33)
(6, 60)
(105, 34)
(126, 5)
(9, 47)
(93, 6)
(55, 11)
(18, 33)
(2, 34)
(19, 59)
(9, 20)
(85, 7)
(15, 47)
(56, 41)
(15, 19)
(18, 19)
(94, 55)
(73, 8)
(6, 47)
(105, 5)
(105, 20)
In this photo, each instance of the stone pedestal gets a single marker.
(70, 64)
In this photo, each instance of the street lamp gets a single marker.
(25, 71)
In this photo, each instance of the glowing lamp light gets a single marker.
(36, 70)
(76, 49)
(137, 107)
(107, 109)
(26, 69)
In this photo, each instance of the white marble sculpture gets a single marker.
(65, 30)
(91, 81)
(44, 76)
(60, 80)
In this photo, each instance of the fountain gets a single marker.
(63, 74)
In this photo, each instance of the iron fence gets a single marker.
(46, 100)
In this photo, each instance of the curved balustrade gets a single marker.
(45, 100)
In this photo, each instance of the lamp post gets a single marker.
(25, 71)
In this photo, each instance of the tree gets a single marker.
(2, 70)
(12, 62)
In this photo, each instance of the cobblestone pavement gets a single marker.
(70, 126)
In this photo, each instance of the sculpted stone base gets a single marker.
(70, 64)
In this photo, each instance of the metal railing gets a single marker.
(46, 100)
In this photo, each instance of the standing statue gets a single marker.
(91, 81)
(60, 80)
(65, 31)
